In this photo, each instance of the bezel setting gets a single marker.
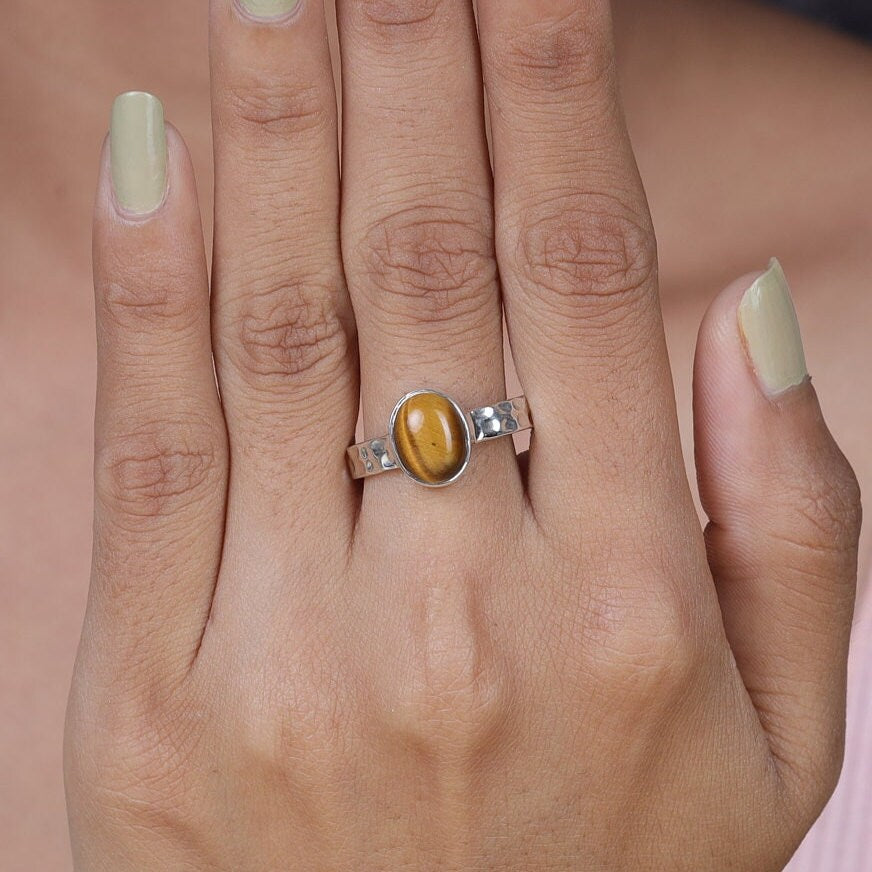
(467, 437)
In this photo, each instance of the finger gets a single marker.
(417, 213)
(283, 328)
(160, 471)
(577, 255)
(782, 538)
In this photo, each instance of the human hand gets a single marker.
(281, 669)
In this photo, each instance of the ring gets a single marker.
(430, 437)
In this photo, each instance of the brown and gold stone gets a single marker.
(430, 438)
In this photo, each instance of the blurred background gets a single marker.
(853, 16)
(752, 126)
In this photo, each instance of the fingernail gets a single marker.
(138, 150)
(770, 329)
(266, 9)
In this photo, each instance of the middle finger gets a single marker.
(417, 214)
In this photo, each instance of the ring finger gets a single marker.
(578, 258)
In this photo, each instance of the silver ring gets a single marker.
(430, 437)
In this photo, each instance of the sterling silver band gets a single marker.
(375, 456)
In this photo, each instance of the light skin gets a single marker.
(723, 199)
(552, 669)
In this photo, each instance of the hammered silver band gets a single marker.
(375, 456)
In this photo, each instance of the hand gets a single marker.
(282, 669)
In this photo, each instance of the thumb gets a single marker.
(784, 512)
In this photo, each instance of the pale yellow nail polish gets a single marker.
(770, 328)
(268, 8)
(138, 150)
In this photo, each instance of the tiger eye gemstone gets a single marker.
(430, 438)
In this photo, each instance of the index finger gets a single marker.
(576, 251)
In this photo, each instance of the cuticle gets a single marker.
(280, 20)
(789, 395)
(130, 217)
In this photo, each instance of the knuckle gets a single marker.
(648, 649)
(148, 293)
(834, 505)
(276, 109)
(453, 695)
(425, 269)
(132, 758)
(157, 471)
(566, 49)
(590, 253)
(290, 332)
(829, 510)
(393, 17)
(295, 738)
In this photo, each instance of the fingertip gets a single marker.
(138, 153)
(146, 171)
(718, 332)
(770, 332)
(754, 322)
(756, 415)
(181, 182)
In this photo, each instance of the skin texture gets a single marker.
(48, 332)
